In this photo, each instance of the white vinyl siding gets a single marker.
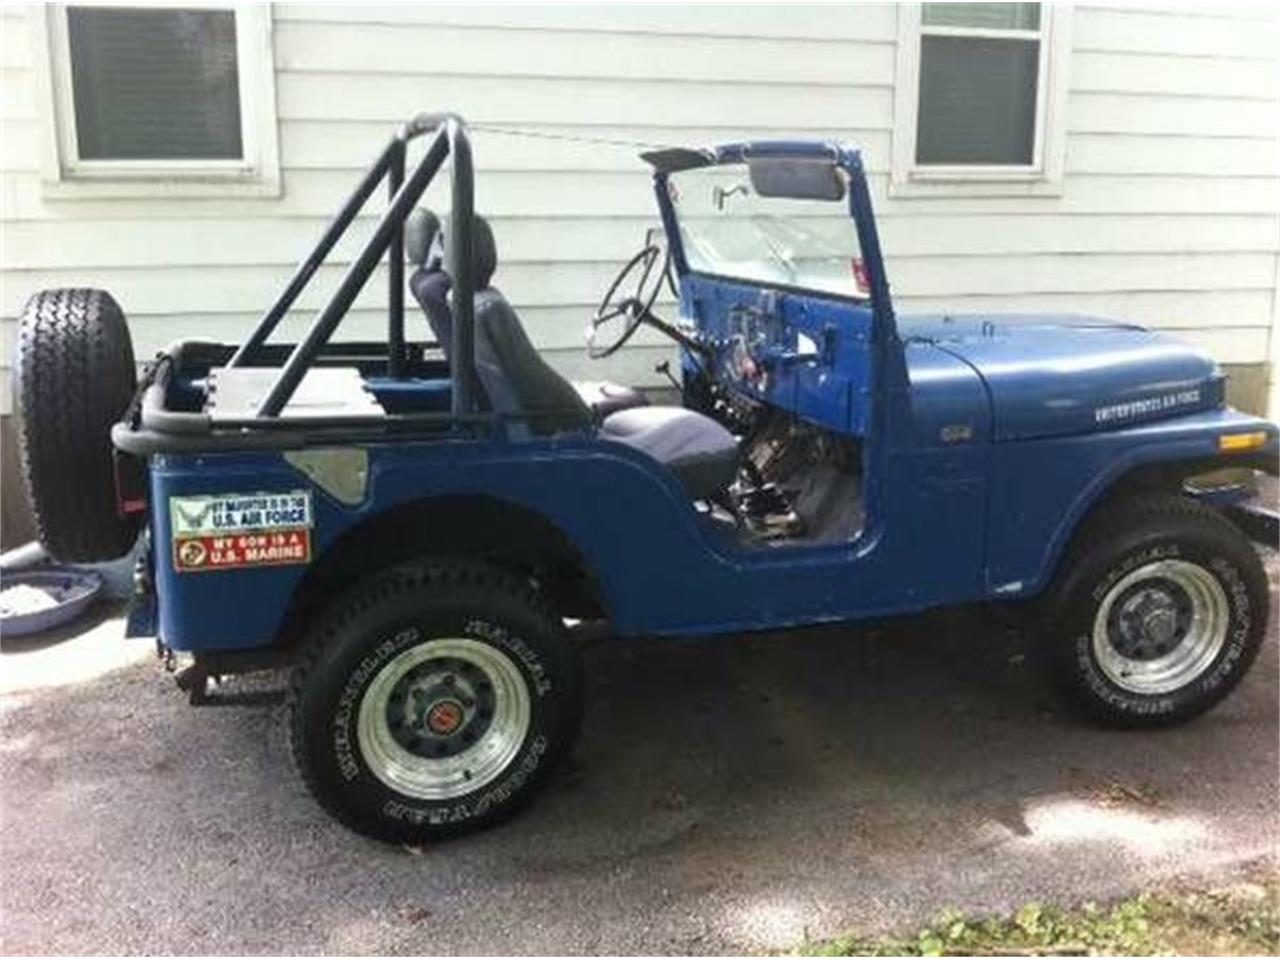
(1168, 212)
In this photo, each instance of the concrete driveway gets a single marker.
(728, 795)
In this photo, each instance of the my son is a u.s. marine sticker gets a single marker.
(232, 531)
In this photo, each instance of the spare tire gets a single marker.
(76, 376)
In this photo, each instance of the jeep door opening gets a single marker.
(408, 524)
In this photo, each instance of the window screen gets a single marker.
(978, 90)
(155, 84)
(986, 16)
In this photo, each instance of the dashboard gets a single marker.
(808, 354)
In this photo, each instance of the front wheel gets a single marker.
(433, 700)
(1160, 611)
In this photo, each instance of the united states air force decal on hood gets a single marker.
(1146, 407)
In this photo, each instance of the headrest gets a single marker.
(484, 252)
(420, 229)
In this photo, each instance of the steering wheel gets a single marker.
(632, 310)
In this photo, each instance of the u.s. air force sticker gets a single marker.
(232, 531)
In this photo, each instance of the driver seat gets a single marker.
(702, 454)
(429, 284)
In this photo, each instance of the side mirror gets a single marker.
(796, 179)
(720, 194)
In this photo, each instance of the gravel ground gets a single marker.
(729, 795)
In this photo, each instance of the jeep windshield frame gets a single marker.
(669, 163)
(728, 229)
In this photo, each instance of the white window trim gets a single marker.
(64, 175)
(1043, 176)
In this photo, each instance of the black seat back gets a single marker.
(513, 375)
(429, 283)
(431, 289)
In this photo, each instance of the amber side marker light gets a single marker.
(1235, 442)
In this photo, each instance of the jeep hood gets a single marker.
(1053, 375)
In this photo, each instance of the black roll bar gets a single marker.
(462, 367)
(395, 271)
(450, 140)
(306, 270)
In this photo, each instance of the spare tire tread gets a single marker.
(76, 376)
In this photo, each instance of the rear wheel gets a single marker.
(76, 377)
(434, 700)
(1160, 612)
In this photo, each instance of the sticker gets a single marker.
(1138, 408)
(860, 275)
(956, 433)
(232, 531)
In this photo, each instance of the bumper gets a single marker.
(1248, 502)
(1258, 521)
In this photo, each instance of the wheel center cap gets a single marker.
(1159, 625)
(444, 717)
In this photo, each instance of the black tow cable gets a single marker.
(568, 137)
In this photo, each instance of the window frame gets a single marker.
(1043, 176)
(65, 174)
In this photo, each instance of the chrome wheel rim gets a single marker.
(1160, 627)
(443, 718)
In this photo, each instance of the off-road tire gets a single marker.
(1123, 538)
(377, 621)
(76, 376)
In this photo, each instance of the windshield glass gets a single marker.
(729, 230)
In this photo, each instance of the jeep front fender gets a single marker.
(1040, 490)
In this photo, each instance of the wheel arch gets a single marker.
(1130, 480)
(475, 527)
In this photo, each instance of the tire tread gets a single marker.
(1124, 522)
(438, 576)
(76, 376)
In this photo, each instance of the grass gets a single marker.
(1241, 918)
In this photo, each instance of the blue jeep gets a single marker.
(410, 525)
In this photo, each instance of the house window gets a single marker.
(171, 94)
(979, 76)
(980, 93)
(155, 84)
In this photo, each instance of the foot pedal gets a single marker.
(769, 513)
